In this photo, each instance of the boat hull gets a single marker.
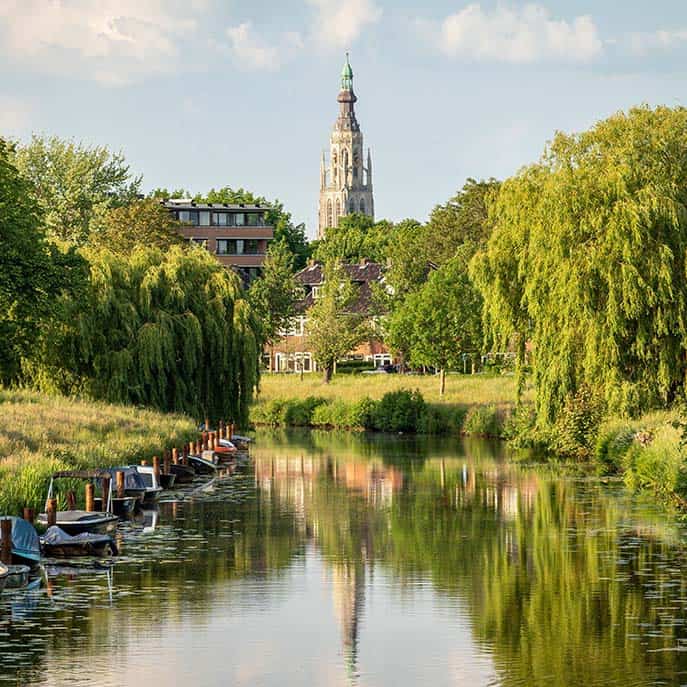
(107, 522)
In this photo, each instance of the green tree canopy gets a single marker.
(434, 326)
(334, 328)
(356, 238)
(167, 329)
(75, 184)
(463, 219)
(140, 223)
(33, 272)
(273, 294)
(587, 261)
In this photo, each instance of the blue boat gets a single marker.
(26, 547)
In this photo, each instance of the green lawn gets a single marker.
(460, 389)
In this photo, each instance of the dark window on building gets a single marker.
(239, 219)
(199, 241)
(219, 219)
(193, 217)
(250, 246)
(204, 218)
(184, 216)
(254, 219)
(223, 246)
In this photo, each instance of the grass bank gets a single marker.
(478, 405)
(40, 434)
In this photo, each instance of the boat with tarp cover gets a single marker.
(26, 548)
(57, 543)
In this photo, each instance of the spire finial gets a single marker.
(347, 76)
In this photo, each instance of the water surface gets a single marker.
(337, 559)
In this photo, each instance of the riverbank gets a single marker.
(646, 452)
(473, 404)
(40, 434)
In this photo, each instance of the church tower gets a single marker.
(346, 180)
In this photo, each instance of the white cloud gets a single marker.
(521, 35)
(14, 116)
(253, 52)
(643, 43)
(111, 41)
(337, 24)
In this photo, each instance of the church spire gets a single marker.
(347, 76)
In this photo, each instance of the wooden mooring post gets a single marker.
(71, 500)
(175, 456)
(29, 514)
(6, 544)
(156, 467)
(90, 498)
(51, 512)
(106, 492)
(167, 463)
(119, 477)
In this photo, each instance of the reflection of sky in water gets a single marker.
(367, 561)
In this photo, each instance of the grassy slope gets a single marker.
(460, 389)
(40, 434)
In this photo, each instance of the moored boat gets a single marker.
(167, 480)
(152, 486)
(183, 473)
(207, 461)
(57, 543)
(26, 549)
(4, 574)
(77, 521)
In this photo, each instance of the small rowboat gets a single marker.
(167, 480)
(58, 544)
(78, 521)
(183, 473)
(206, 462)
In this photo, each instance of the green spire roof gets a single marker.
(347, 76)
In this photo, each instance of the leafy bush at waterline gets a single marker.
(396, 411)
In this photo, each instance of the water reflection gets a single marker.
(349, 559)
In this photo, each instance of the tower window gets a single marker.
(330, 220)
(362, 206)
(351, 205)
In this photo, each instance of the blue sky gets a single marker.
(203, 93)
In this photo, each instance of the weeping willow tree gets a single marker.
(587, 262)
(168, 329)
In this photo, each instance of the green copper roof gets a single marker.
(347, 76)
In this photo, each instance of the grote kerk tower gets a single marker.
(345, 183)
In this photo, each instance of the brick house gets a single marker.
(292, 353)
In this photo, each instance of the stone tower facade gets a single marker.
(345, 180)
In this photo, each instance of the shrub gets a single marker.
(483, 421)
(299, 413)
(657, 466)
(353, 367)
(611, 446)
(442, 419)
(399, 411)
(578, 424)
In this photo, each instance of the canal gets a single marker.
(345, 559)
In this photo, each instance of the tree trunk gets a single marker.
(442, 381)
(328, 372)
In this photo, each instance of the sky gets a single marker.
(207, 93)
